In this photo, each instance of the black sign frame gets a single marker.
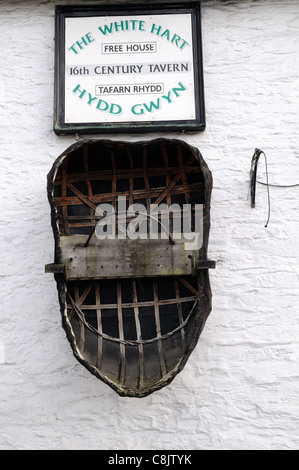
(61, 127)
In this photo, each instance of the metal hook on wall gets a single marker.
(253, 180)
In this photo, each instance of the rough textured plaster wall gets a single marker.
(240, 387)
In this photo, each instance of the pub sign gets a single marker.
(128, 69)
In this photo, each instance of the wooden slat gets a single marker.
(82, 327)
(86, 171)
(99, 217)
(180, 313)
(81, 299)
(159, 193)
(139, 304)
(86, 201)
(131, 178)
(99, 321)
(139, 335)
(81, 196)
(88, 183)
(146, 182)
(106, 175)
(158, 329)
(114, 176)
(113, 259)
(165, 156)
(64, 193)
(80, 224)
(84, 217)
(183, 172)
(186, 284)
(122, 364)
(173, 183)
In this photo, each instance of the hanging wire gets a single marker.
(125, 213)
(253, 180)
(278, 185)
(82, 318)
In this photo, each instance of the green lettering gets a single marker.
(141, 25)
(175, 90)
(168, 99)
(176, 39)
(107, 29)
(185, 43)
(79, 45)
(82, 92)
(99, 105)
(118, 26)
(152, 105)
(90, 38)
(91, 99)
(137, 111)
(115, 109)
(156, 28)
(133, 22)
(73, 48)
(166, 33)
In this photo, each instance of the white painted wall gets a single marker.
(240, 387)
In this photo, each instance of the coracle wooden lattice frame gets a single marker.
(132, 326)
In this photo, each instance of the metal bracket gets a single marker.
(55, 268)
(199, 264)
(205, 264)
(62, 268)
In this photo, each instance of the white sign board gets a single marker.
(133, 70)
